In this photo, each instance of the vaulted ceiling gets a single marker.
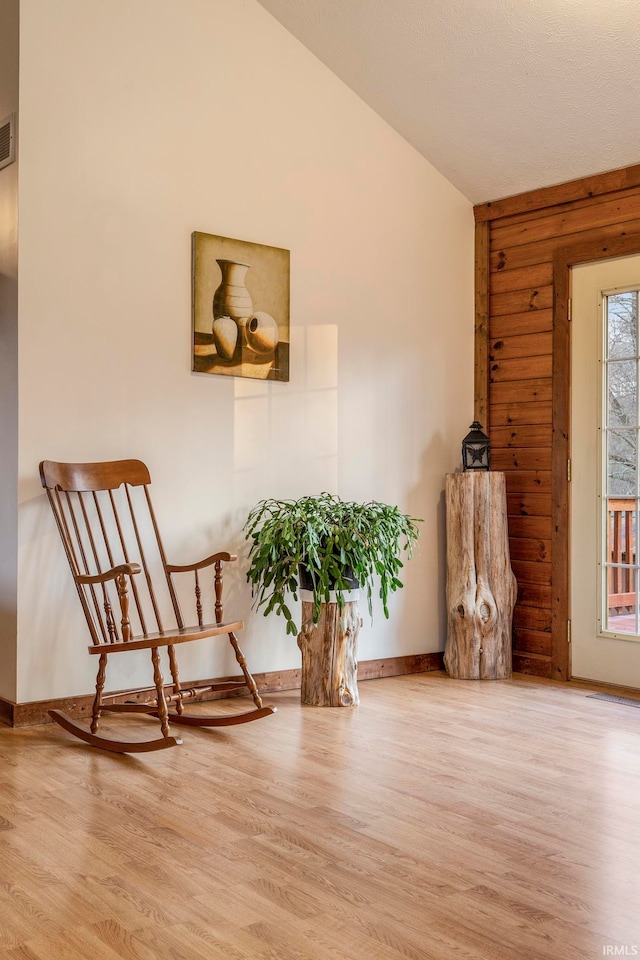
(501, 96)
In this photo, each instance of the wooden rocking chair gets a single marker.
(104, 515)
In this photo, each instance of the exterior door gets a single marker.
(605, 479)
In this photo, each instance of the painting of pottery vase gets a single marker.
(240, 308)
(250, 336)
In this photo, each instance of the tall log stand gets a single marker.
(481, 587)
(329, 655)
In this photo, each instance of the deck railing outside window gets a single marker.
(621, 550)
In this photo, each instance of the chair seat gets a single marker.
(169, 638)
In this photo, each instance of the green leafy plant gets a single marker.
(334, 540)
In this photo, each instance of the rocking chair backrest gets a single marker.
(105, 518)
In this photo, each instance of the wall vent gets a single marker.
(7, 141)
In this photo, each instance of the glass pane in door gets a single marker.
(620, 455)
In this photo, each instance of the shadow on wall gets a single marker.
(285, 443)
(424, 612)
(286, 435)
(42, 562)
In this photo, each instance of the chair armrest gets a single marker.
(226, 557)
(126, 568)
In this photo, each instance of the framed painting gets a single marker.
(240, 303)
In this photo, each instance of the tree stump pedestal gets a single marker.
(329, 654)
(481, 587)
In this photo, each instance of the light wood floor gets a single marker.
(440, 819)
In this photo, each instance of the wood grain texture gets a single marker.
(530, 527)
(533, 618)
(520, 368)
(534, 275)
(528, 481)
(527, 641)
(93, 476)
(330, 655)
(578, 204)
(524, 435)
(481, 588)
(534, 595)
(529, 505)
(534, 240)
(562, 223)
(521, 458)
(585, 188)
(521, 324)
(28, 714)
(532, 664)
(504, 414)
(531, 550)
(520, 391)
(519, 301)
(527, 572)
(481, 369)
(441, 819)
(544, 250)
(528, 345)
(560, 573)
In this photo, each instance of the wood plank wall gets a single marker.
(522, 389)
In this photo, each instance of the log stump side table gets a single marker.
(481, 587)
(329, 653)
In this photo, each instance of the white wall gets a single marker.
(141, 122)
(8, 360)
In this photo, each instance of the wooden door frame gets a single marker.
(564, 259)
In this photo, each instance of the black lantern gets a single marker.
(475, 449)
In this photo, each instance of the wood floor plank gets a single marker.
(440, 819)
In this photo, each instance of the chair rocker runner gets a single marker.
(105, 517)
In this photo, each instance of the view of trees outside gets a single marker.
(621, 435)
(622, 368)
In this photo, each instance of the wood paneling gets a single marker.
(560, 653)
(528, 481)
(571, 205)
(535, 665)
(534, 239)
(529, 505)
(504, 414)
(531, 573)
(522, 458)
(521, 368)
(481, 372)
(522, 435)
(585, 188)
(530, 527)
(535, 595)
(519, 301)
(514, 257)
(532, 618)
(532, 641)
(562, 224)
(516, 391)
(531, 550)
(529, 345)
(506, 281)
(521, 324)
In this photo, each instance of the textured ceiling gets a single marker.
(501, 96)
